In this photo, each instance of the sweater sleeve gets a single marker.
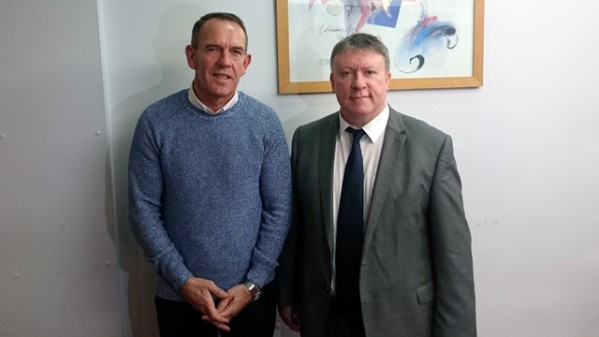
(145, 193)
(275, 194)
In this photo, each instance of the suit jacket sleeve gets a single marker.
(451, 248)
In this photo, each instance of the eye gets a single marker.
(211, 49)
(237, 52)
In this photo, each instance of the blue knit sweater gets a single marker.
(210, 194)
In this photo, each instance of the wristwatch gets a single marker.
(254, 290)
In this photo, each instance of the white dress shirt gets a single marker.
(195, 101)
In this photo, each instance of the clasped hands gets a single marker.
(201, 294)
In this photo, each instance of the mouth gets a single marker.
(222, 76)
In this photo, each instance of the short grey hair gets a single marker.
(197, 27)
(361, 41)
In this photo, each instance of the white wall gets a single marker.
(525, 145)
(529, 154)
(57, 238)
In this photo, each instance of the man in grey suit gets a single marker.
(414, 273)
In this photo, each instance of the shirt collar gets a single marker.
(195, 101)
(374, 129)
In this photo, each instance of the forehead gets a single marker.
(219, 31)
(358, 58)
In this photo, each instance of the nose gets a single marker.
(358, 82)
(225, 59)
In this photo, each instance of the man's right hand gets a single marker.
(290, 316)
(200, 293)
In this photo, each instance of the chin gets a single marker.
(222, 91)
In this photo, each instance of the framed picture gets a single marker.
(432, 44)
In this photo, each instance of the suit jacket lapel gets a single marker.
(326, 162)
(389, 166)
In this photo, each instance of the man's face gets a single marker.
(360, 81)
(219, 61)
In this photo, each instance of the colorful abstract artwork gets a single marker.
(428, 36)
(360, 12)
(427, 39)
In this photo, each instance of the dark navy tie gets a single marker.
(350, 224)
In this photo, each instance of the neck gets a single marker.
(215, 104)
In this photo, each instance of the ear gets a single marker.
(332, 80)
(189, 54)
(246, 62)
(247, 59)
(387, 79)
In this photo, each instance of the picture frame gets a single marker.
(431, 44)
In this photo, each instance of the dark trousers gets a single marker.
(344, 321)
(179, 319)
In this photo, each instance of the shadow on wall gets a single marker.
(136, 275)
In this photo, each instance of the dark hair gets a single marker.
(197, 27)
(361, 41)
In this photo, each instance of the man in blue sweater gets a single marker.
(210, 193)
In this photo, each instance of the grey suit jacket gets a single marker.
(416, 277)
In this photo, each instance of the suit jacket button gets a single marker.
(327, 289)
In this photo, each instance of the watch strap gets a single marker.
(254, 290)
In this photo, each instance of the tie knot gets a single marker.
(357, 133)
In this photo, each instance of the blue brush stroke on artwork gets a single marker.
(386, 18)
(428, 35)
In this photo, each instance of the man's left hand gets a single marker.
(239, 297)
